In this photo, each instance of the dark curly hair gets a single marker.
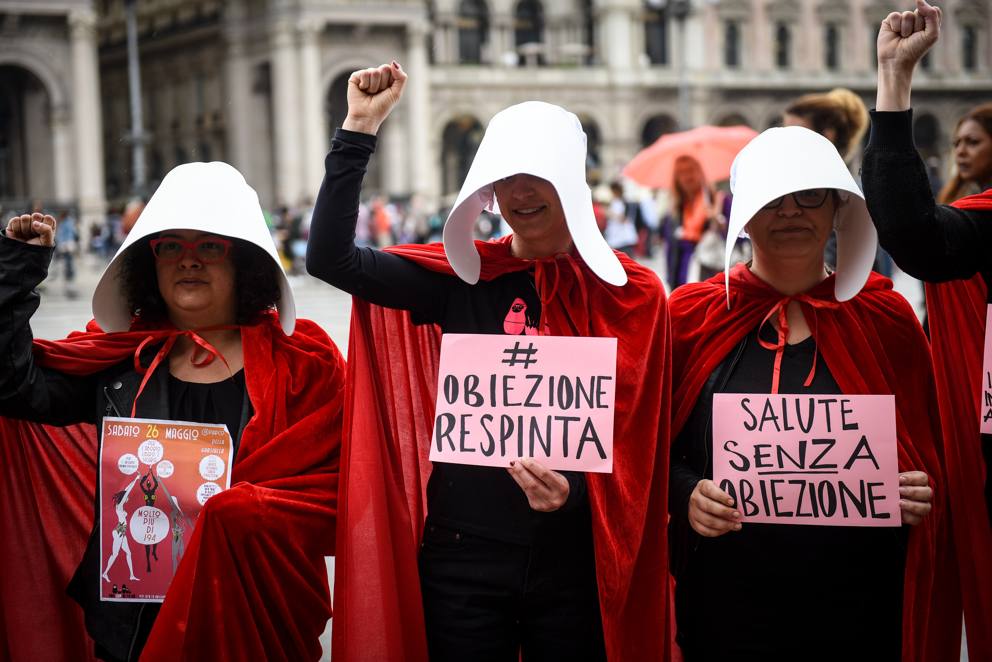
(256, 282)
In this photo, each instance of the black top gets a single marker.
(932, 242)
(774, 591)
(216, 402)
(485, 501)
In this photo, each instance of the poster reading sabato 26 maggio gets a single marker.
(155, 477)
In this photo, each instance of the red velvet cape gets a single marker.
(388, 418)
(252, 584)
(957, 311)
(872, 344)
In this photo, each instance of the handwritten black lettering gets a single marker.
(856, 455)
(829, 444)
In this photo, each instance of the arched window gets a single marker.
(589, 29)
(831, 47)
(594, 140)
(459, 143)
(873, 43)
(732, 44)
(335, 110)
(656, 127)
(528, 32)
(656, 32)
(733, 119)
(926, 134)
(473, 30)
(969, 48)
(783, 46)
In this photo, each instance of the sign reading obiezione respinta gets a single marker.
(502, 397)
(808, 459)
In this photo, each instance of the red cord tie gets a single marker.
(781, 310)
(194, 335)
(547, 295)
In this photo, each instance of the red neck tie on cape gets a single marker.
(781, 309)
(547, 294)
(194, 335)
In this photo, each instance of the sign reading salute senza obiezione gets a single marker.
(501, 397)
(808, 459)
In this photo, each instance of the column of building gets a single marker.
(87, 124)
(315, 142)
(285, 113)
(423, 179)
(61, 127)
(810, 38)
(237, 92)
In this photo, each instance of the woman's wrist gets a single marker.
(360, 125)
(895, 84)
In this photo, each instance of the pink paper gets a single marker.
(986, 390)
(808, 459)
(500, 398)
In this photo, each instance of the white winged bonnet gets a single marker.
(208, 197)
(788, 159)
(540, 139)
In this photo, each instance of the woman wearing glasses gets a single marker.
(195, 321)
(785, 323)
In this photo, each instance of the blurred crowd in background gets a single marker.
(678, 224)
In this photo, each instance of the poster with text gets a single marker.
(808, 459)
(155, 477)
(550, 398)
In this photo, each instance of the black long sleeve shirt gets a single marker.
(932, 242)
(484, 501)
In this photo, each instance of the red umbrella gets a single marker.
(713, 146)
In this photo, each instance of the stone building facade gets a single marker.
(261, 83)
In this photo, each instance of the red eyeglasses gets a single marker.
(207, 250)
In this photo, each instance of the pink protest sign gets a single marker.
(155, 476)
(986, 390)
(500, 398)
(808, 459)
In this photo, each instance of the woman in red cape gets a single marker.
(950, 248)
(782, 324)
(252, 581)
(383, 601)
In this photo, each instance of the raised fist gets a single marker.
(35, 229)
(372, 93)
(905, 37)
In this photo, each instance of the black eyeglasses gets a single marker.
(811, 198)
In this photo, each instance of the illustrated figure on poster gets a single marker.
(120, 532)
(149, 485)
(180, 522)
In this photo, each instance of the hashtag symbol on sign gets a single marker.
(515, 352)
